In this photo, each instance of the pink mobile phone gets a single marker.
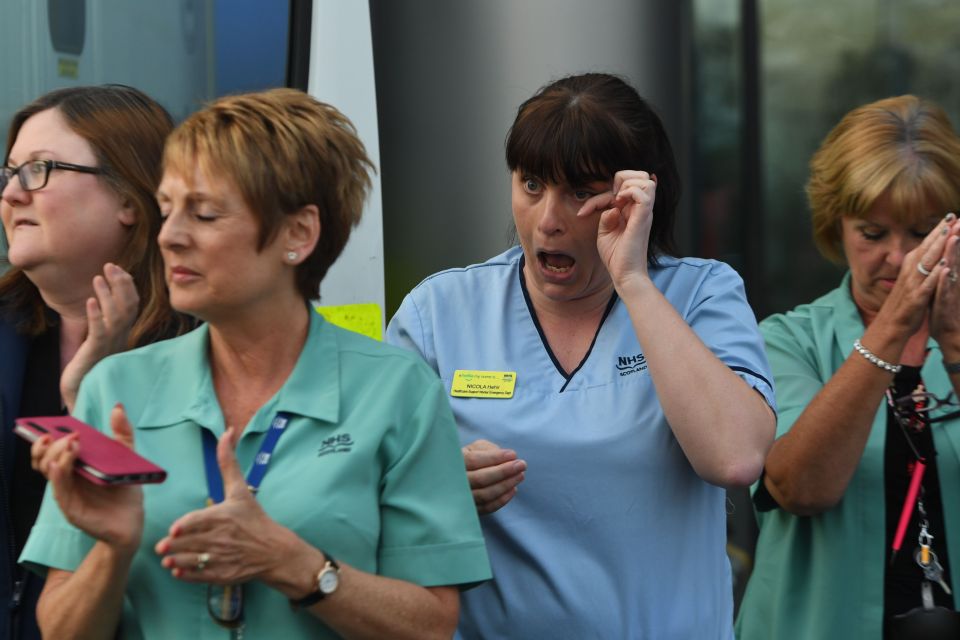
(101, 459)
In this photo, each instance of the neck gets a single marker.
(251, 357)
(69, 304)
(73, 331)
(591, 305)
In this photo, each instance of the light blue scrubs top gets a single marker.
(612, 534)
(368, 469)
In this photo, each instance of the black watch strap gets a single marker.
(316, 596)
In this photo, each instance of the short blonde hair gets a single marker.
(283, 150)
(904, 147)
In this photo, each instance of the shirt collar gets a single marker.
(184, 387)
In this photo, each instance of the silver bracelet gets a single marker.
(874, 360)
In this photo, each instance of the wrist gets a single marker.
(884, 342)
(325, 584)
(122, 551)
(950, 352)
(295, 567)
(634, 286)
(125, 541)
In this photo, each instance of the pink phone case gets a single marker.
(101, 459)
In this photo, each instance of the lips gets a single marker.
(182, 274)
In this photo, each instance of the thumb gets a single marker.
(234, 484)
(122, 430)
(611, 220)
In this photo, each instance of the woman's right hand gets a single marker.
(113, 515)
(494, 474)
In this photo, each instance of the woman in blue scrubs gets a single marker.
(606, 390)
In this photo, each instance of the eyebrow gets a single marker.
(194, 198)
(33, 155)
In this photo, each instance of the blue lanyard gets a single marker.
(260, 463)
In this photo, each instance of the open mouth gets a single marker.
(555, 262)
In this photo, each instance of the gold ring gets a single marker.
(202, 560)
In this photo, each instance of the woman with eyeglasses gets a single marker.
(859, 504)
(85, 279)
(316, 487)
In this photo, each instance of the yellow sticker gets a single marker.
(366, 318)
(483, 384)
(68, 68)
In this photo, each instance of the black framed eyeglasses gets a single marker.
(922, 405)
(34, 174)
(225, 605)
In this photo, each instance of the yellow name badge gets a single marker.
(483, 384)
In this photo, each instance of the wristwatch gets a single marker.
(327, 582)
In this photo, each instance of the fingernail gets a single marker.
(177, 572)
(951, 217)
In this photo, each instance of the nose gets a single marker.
(552, 218)
(172, 234)
(13, 193)
(898, 248)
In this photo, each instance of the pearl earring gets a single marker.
(291, 255)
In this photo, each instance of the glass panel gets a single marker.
(819, 60)
(182, 53)
(718, 115)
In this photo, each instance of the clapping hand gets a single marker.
(225, 543)
(110, 315)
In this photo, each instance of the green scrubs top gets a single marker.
(369, 469)
(822, 576)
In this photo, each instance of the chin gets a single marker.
(18, 260)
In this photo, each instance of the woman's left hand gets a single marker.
(623, 236)
(945, 310)
(226, 543)
(110, 315)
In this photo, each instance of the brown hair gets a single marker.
(283, 150)
(584, 128)
(904, 147)
(126, 130)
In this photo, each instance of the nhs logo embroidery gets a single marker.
(342, 443)
(627, 365)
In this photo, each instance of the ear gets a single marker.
(126, 215)
(302, 231)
